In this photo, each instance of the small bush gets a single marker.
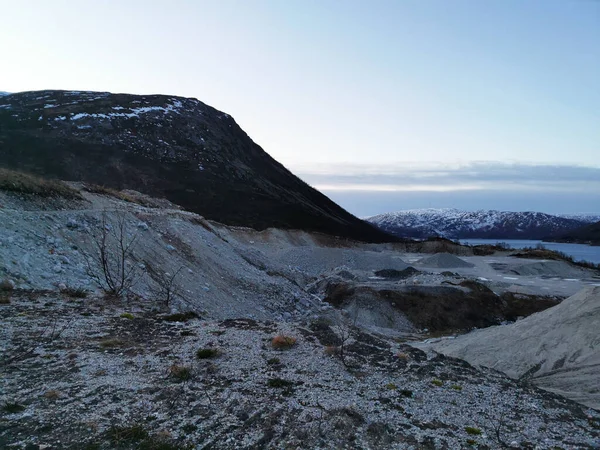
(75, 292)
(180, 317)
(180, 373)
(52, 394)
(207, 353)
(273, 361)
(6, 285)
(122, 435)
(23, 183)
(473, 431)
(456, 387)
(126, 316)
(332, 350)
(112, 343)
(437, 382)
(279, 383)
(282, 342)
(12, 408)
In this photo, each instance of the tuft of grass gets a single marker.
(180, 373)
(126, 316)
(52, 394)
(180, 317)
(456, 387)
(12, 407)
(332, 350)
(437, 382)
(187, 333)
(75, 292)
(127, 434)
(471, 442)
(273, 361)
(207, 353)
(473, 431)
(112, 343)
(391, 386)
(6, 285)
(4, 298)
(406, 393)
(283, 342)
(279, 383)
(24, 183)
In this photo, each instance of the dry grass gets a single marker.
(24, 183)
(52, 394)
(180, 373)
(282, 342)
(115, 193)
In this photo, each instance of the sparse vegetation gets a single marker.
(126, 315)
(283, 342)
(24, 183)
(273, 361)
(167, 287)
(437, 382)
(207, 353)
(406, 393)
(4, 298)
(12, 408)
(456, 387)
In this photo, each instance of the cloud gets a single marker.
(476, 176)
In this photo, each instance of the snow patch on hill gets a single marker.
(454, 223)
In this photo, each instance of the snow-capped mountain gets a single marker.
(457, 224)
(165, 146)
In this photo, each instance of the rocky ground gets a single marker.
(98, 373)
(80, 369)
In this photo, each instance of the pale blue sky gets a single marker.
(347, 88)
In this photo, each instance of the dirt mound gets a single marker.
(557, 348)
(444, 261)
(549, 268)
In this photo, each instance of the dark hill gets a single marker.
(174, 147)
(589, 234)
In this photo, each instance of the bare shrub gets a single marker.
(282, 342)
(110, 264)
(167, 288)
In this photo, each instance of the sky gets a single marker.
(382, 105)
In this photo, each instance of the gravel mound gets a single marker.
(548, 268)
(557, 348)
(444, 261)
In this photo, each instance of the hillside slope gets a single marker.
(165, 146)
(588, 234)
(457, 224)
(557, 348)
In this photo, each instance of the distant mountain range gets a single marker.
(165, 146)
(588, 234)
(457, 224)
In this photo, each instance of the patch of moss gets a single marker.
(473, 431)
(437, 382)
(126, 316)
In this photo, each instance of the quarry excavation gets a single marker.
(129, 322)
